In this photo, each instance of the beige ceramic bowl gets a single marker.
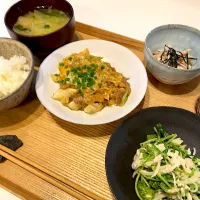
(9, 48)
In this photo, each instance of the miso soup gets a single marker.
(41, 22)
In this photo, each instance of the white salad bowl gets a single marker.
(118, 56)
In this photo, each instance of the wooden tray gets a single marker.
(75, 151)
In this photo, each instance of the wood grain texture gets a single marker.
(28, 186)
(77, 152)
(47, 175)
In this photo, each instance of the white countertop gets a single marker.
(132, 18)
(5, 195)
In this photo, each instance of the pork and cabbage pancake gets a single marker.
(88, 83)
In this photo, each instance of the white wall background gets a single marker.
(133, 18)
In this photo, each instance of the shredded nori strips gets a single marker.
(10, 141)
(173, 57)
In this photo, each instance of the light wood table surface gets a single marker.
(76, 152)
(79, 152)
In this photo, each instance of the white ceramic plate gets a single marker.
(118, 56)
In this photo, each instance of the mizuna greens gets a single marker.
(165, 169)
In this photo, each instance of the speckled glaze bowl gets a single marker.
(179, 37)
(9, 48)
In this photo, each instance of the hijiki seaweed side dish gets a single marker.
(176, 59)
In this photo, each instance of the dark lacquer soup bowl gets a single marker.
(44, 44)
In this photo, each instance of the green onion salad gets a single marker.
(165, 169)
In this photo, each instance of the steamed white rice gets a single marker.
(13, 73)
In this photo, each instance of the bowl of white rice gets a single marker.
(16, 73)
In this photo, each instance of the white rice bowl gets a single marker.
(13, 72)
